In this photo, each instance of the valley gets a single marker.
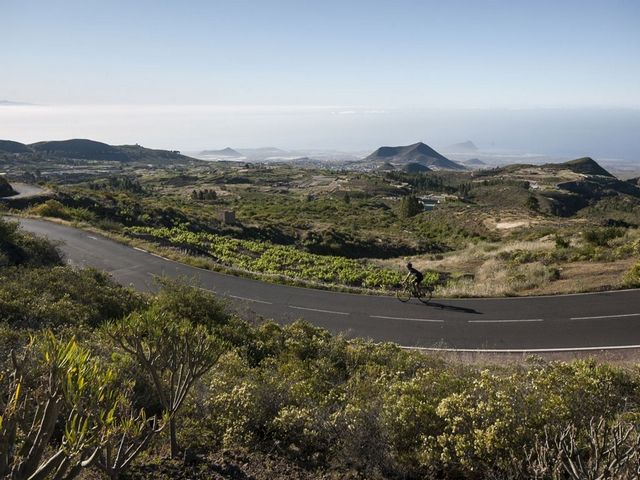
(519, 229)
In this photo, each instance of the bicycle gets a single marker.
(410, 289)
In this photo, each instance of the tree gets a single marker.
(410, 206)
(173, 350)
(533, 203)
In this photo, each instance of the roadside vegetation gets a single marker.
(98, 381)
(264, 257)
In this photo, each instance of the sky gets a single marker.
(293, 71)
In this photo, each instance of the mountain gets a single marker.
(226, 152)
(417, 153)
(9, 146)
(467, 146)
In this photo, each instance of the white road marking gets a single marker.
(249, 299)
(606, 316)
(210, 290)
(525, 320)
(318, 310)
(92, 237)
(140, 249)
(408, 319)
(522, 350)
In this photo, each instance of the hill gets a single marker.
(139, 154)
(419, 153)
(467, 146)
(90, 150)
(226, 152)
(5, 188)
(585, 165)
(474, 161)
(9, 146)
(81, 149)
(566, 188)
(571, 170)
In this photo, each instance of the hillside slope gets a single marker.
(566, 188)
(137, 153)
(91, 150)
(9, 146)
(584, 165)
(419, 153)
(79, 148)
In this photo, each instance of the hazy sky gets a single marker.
(305, 56)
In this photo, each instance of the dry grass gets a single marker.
(586, 277)
(624, 357)
(483, 273)
(495, 278)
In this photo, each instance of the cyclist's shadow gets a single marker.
(443, 306)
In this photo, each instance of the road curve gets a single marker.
(25, 191)
(609, 320)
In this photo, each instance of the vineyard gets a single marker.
(267, 258)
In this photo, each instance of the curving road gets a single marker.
(609, 320)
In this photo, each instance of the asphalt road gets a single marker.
(609, 320)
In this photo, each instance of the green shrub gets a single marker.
(532, 203)
(500, 414)
(410, 206)
(351, 407)
(173, 349)
(601, 236)
(632, 277)
(55, 389)
(561, 242)
(51, 208)
(58, 296)
(372, 408)
(19, 248)
(268, 258)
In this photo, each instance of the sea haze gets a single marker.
(567, 133)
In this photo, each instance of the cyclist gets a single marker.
(417, 274)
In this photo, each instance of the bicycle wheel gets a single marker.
(424, 293)
(403, 294)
